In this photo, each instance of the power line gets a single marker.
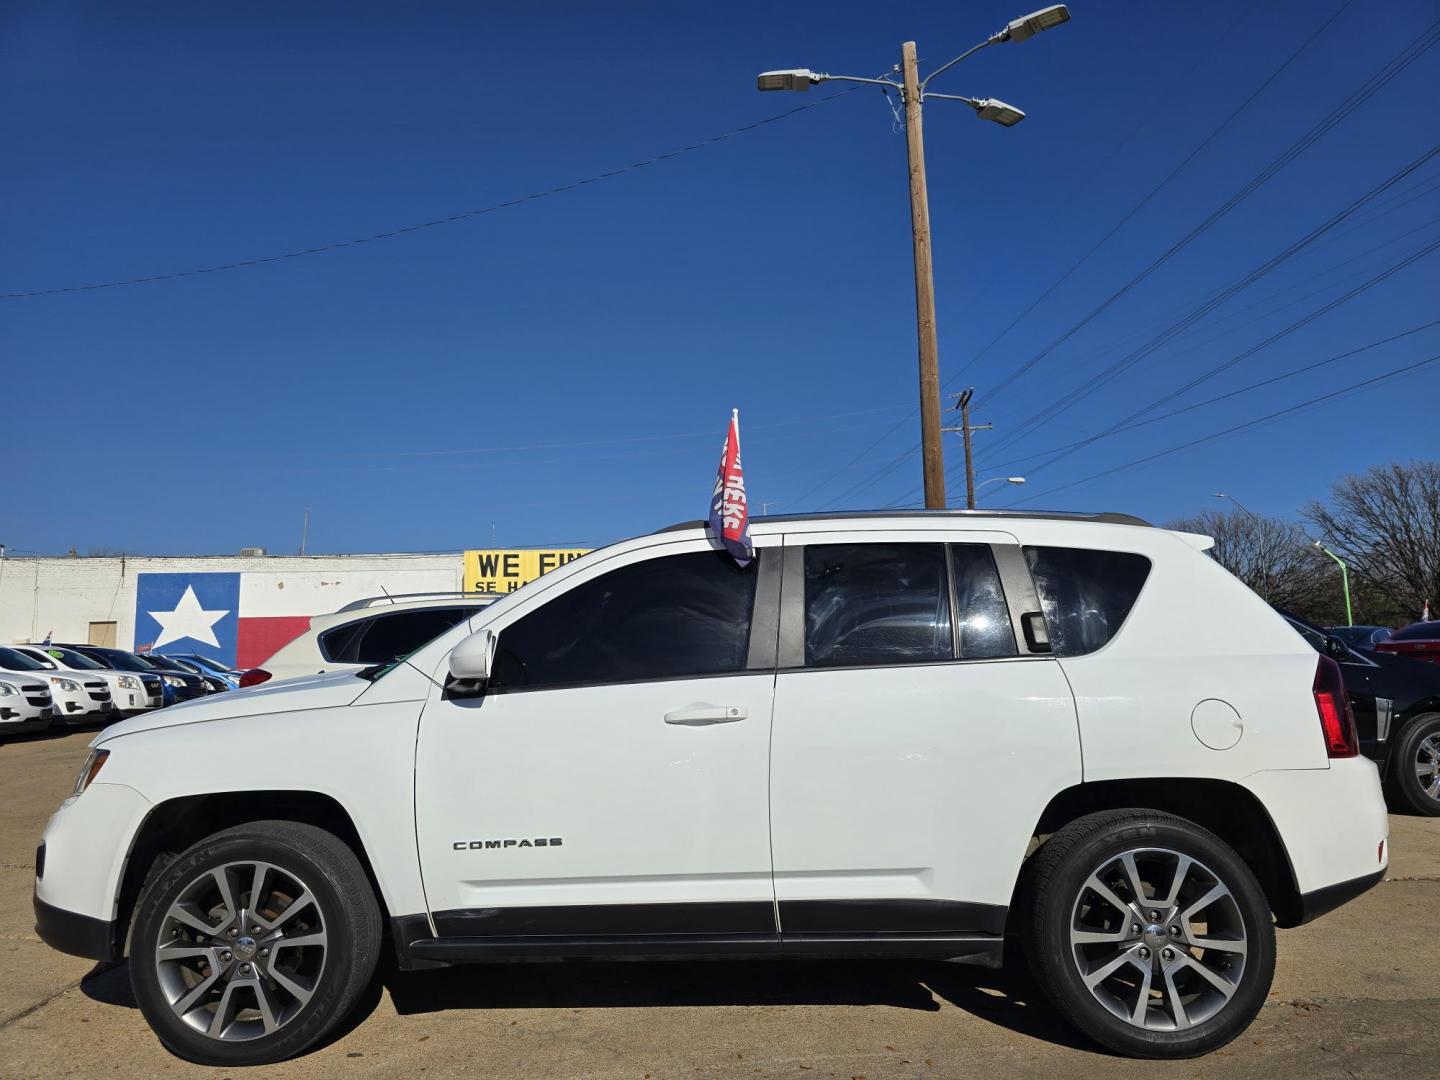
(1074, 397)
(449, 219)
(1392, 68)
(1257, 422)
(1176, 171)
(1304, 369)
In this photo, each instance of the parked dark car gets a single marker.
(1360, 637)
(173, 666)
(1396, 702)
(1419, 641)
(176, 686)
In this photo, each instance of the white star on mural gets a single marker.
(188, 620)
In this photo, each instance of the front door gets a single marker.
(918, 737)
(612, 779)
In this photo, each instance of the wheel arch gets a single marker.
(1229, 810)
(173, 825)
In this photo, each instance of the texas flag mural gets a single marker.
(239, 619)
(729, 509)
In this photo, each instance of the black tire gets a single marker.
(1059, 895)
(344, 906)
(1406, 790)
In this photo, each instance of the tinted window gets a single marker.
(660, 619)
(876, 604)
(18, 661)
(340, 643)
(386, 637)
(1420, 631)
(1313, 638)
(120, 661)
(72, 659)
(1086, 594)
(982, 619)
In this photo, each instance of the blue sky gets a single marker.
(561, 371)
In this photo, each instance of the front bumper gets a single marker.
(78, 935)
(79, 868)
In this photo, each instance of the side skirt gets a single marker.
(934, 930)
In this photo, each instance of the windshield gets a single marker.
(123, 661)
(18, 661)
(72, 659)
(163, 662)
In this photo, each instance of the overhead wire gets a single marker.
(1411, 52)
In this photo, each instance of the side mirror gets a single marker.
(1336, 649)
(473, 658)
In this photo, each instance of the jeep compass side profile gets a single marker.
(888, 735)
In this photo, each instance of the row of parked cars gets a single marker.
(51, 684)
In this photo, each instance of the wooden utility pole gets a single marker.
(931, 452)
(965, 429)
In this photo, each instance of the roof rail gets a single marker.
(1108, 518)
(395, 598)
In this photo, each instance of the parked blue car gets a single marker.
(205, 666)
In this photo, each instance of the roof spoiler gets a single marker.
(1198, 541)
(395, 598)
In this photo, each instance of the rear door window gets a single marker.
(1086, 594)
(871, 604)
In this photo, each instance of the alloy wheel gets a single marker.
(1158, 939)
(241, 950)
(1427, 765)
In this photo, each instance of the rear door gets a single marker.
(917, 736)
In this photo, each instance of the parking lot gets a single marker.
(1356, 994)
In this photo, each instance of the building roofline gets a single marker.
(1106, 518)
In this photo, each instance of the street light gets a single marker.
(1344, 581)
(1000, 480)
(1028, 26)
(912, 91)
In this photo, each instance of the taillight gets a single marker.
(1337, 722)
(254, 677)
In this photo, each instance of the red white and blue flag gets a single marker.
(729, 509)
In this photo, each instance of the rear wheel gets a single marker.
(254, 944)
(1149, 933)
(1415, 766)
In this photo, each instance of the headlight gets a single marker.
(6, 689)
(66, 685)
(94, 762)
(129, 682)
(173, 680)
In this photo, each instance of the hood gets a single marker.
(332, 689)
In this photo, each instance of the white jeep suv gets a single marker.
(896, 735)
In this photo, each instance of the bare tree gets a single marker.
(1272, 556)
(1386, 524)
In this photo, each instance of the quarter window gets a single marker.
(665, 618)
(982, 629)
(869, 604)
(382, 638)
(1086, 595)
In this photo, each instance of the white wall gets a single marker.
(62, 596)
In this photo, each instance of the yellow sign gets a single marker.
(505, 570)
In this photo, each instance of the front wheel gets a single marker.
(1149, 933)
(253, 944)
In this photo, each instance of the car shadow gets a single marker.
(1007, 998)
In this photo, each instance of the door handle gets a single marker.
(703, 715)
